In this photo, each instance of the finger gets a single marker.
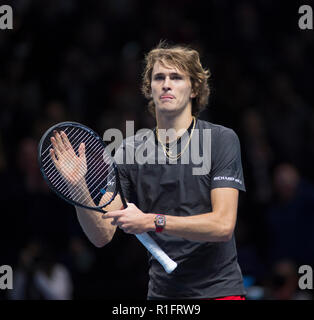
(59, 141)
(120, 224)
(127, 230)
(67, 144)
(81, 151)
(113, 214)
(114, 221)
(55, 146)
(54, 158)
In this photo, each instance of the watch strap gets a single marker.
(159, 227)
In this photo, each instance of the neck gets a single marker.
(180, 123)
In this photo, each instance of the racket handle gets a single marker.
(150, 244)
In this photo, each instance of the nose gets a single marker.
(166, 85)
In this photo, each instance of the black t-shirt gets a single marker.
(157, 185)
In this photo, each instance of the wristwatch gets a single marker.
(160, 222)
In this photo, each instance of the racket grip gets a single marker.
(150, 244)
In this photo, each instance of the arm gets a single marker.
(98, 230)
(214, 226)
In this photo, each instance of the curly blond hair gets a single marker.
(185, 59)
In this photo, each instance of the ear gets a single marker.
(193, 94)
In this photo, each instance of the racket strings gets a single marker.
(76, 146)
(49, 145)
(51, 164)
(95, 187)
(55, 177)
(98, 172)
(77, 194)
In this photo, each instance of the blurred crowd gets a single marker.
(82, 61)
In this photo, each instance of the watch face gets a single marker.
(160, 221)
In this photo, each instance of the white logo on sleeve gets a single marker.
(219, 178)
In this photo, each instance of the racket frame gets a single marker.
(58, 127)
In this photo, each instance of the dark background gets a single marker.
(82, 61)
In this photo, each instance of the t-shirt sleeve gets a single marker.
(227, 169)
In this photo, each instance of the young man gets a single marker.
(191, 216)
(196, 213)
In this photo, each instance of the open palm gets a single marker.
(73, 168)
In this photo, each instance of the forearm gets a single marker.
(209, 227)
(98, 230)
(215, 226)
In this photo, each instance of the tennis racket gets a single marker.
(86, 175)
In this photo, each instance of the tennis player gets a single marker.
(191, 217)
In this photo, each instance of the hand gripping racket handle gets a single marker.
(168, 264)
(150, 244)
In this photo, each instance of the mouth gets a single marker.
(166, 97)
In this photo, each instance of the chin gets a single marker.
(167, 107)
(169, 110)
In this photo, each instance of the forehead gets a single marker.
(166, 67)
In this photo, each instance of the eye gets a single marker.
(176, 77)
(159, 77)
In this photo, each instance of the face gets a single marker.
(171, 89)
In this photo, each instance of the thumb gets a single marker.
(81, 151)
